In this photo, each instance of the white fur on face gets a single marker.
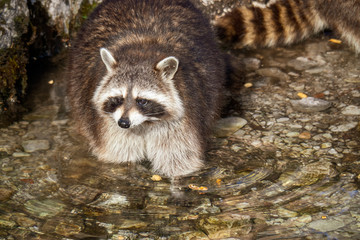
(136, 118)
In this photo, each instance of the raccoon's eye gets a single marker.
(142, 102)
(112, 104)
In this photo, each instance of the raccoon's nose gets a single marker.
(124, 122)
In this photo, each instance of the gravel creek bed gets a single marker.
(284, 162)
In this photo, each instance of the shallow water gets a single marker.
(285, 175)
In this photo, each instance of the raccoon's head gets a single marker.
(134, 94)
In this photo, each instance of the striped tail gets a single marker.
(280, 23)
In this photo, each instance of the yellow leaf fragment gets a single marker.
(337, 41)
(156, 178)
(248, 85)
(302, 95)
(218, 181)
(197, 188)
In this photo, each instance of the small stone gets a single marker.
(24, 221)
(333, 151)
(310, 104)
(326, 145)
(292, 134)
(5, 223)
(351, 110)
(7, 149)
(251, 64)
(35, 145)
(235, 148)
(353, 80)
(60, 122)
(305, 135)
(44, 208)
(111, 200)
(352, 144)
(274, 73)
(344, 127)
(227, 126)
(281, 120)
(256, 143)
(303, 63)
(20, 154)
(7, 169)
(327, 136)
(133, 224)
(5, 194)
(297, 86)
(68, 229)
(326, 225)
(284, 213)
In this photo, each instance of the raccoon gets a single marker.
(145, 82)
(282, 22)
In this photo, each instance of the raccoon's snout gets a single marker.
(124, 122)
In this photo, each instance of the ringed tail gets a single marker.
(280, 23)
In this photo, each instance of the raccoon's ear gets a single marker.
(107, 58)
(168, 67)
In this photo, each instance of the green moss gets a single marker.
(4, 2)
(85, 10)
(13, 77)
(21, 24)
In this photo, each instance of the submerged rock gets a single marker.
(351, 110)
(227, 126)
(35, 145)
(44, 208)
(230, 226)
(5, 194)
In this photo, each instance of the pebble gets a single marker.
(235, 148)
(44, 208)
(310, 104)
(227, 126)
(292, 134)
(274, 73)
(351, 110)
(303, 63)
(5, 194)
(297, 86)
(7, 149)
(352, 80)
(281, 120)
(305, 135)
(24, 221)
(20, 154)
(344, 127)
(285, 213)
(35, 145)
(326, 225)
(326, 145)
(112, 200)
(132, 224)
(251, 64)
